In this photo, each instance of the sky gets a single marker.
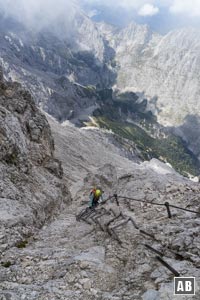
(189, 8)
(160, 15)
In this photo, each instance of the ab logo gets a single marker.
(184, 285)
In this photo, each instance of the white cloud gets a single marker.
(148, 10)
(128, 4)
(92, 13)
(43, 11)
(186, 7)
(38, 14)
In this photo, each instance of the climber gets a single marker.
(96, 197)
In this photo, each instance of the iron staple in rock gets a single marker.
(168, 266)
(153, 250)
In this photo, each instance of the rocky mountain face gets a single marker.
(47, 250)
(163, 69)
(63, 71)
(133, 58)
(49, 65)
(80, 260)
(32, 190)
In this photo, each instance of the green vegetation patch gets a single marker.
(11, 159)
(170, 149)
(120, 106)
(6, 264)
(22, 244)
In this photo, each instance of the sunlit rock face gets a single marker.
(165, 67)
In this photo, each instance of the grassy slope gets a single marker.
(170, 149)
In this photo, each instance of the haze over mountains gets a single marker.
(161, 69)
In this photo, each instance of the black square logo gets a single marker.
(184, 285)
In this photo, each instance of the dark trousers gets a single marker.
(95, 202)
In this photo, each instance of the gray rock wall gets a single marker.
(32, 188)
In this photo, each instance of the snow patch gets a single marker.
(159, 167)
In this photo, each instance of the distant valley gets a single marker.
(69, 77)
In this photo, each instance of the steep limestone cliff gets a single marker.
(32, 189)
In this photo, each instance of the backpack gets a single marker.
(98, 193)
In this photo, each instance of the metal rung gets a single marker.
(98, 223)
(134, 224)
(125, 222)
(153, 250)
(78, 217)
(113, 219)
(88, 215)
(121, 224)
(85, 213)
(102, 214)
(113, 212)
(148, 234)
(168, 266)
(86, 221)
(116, 236)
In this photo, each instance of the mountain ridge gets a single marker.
(65, 78)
